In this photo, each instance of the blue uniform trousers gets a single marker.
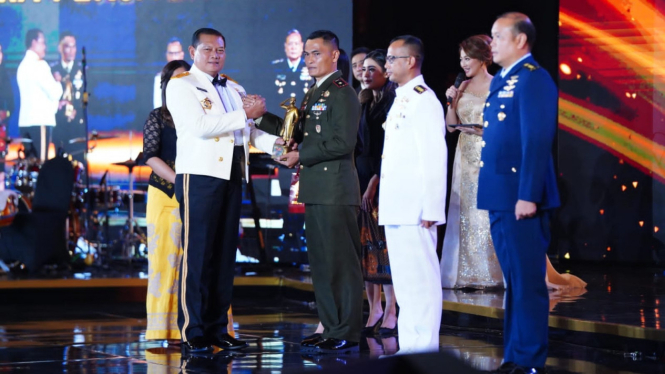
(521, 247)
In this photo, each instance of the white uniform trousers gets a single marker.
(416, 276)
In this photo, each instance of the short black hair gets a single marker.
(175, 39)
(65, 34)
(32, 34)
(292, 31)
(344, 64)
(205, 31)
(416, 47)
(522, 25)
(359, 50)
(327, 36)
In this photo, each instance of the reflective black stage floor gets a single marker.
(101, 330)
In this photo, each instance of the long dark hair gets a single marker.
(366, 95)
(167, 74)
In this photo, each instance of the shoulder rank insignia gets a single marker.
(229, 78)
(183, 74)
(420, 89)
(531, 67)
(206, 104)
(340, 82)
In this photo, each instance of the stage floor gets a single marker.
(615, 327)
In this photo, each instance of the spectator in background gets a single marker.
(69, 118)
(357, 58)
(40, 94)
(173, 52)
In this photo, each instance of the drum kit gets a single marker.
(89, 207)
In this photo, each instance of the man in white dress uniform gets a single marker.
(413, 196)
(214, 129)
(40, 93)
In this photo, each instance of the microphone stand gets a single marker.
(89, 197)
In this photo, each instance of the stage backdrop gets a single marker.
(126, 43)
(612, 130)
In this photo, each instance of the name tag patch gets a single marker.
(505, 94)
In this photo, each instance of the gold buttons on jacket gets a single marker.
(306, 134)
(221, 159)
(216, 139)
(383, 156)
(502, 106)
(308, 116)
(325, 168)
(302, 166)
(482, 164)
(486, 123)
(514, 170)
(487, 105)
(482, 144)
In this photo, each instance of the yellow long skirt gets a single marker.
(164, 257)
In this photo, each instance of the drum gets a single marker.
(104, 197)
(10, 204)
(23, 176)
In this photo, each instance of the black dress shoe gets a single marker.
(196, 345)
(371, 330)
(307, 344)
(227, 342)
(335, 346)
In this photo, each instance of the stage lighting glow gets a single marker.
(565, 69)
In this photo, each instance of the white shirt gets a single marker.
(226, 100)
(415, 158)
(505, 71)
(67, 65)
(319, 82)
(293, 65)
(40, 92)
(157, 91)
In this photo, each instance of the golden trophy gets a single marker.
(291, 118)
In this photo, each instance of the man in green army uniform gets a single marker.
(330, 114)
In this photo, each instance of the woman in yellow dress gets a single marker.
(163, 219)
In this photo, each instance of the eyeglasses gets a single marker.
(390, 59)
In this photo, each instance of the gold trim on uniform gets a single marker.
(183, 276)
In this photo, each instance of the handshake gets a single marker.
(254, 106)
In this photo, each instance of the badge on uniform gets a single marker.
(206, 103)
(501, 116)
(326, 94)
(506, 94)
(318, 129)
(319, 107)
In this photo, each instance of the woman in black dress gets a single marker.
(376, 100)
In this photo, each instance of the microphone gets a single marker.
(83, 55)
(461, 77)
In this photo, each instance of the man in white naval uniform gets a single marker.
(413, 196)
(40, 93)
(214, 129)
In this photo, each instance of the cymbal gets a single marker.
(19, 140)
(94, 136)
(129, 163)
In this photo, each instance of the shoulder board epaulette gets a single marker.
(229, 78)
(277, 61)
(183, 74)
(531, 67)
(420, 89)
(340, 82)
